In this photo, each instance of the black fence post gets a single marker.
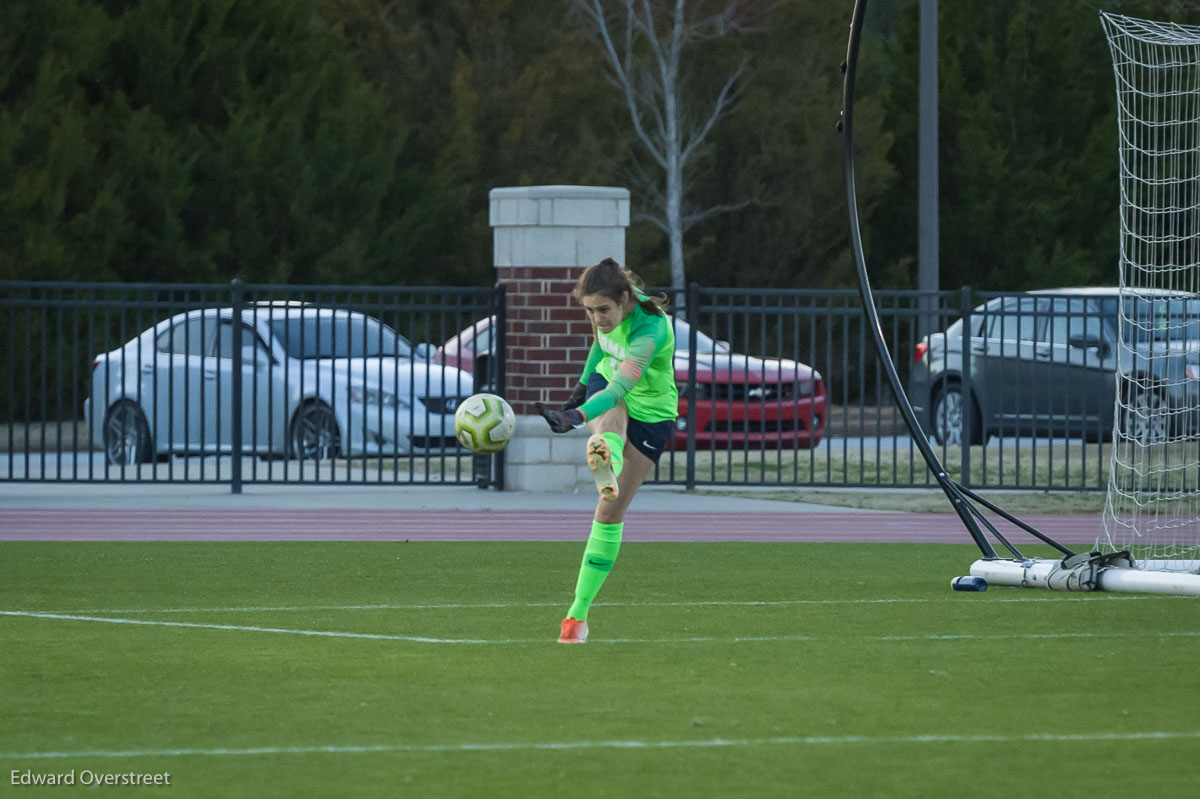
(968, 416)
(499, 304)
(235, 389)
(692, 312)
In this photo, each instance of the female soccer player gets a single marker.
(626, 395)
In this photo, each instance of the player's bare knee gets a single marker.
(614, 420)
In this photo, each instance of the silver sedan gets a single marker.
(315, 383)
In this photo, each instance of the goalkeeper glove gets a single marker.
(577, 398)
(560, 421)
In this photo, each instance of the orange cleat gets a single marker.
(574, 631)
(599, 460)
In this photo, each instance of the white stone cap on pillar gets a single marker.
(558, 225)
(559, 206)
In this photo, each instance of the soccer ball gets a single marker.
(484, 423)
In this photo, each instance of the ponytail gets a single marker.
(612, 280)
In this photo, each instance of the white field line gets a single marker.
(696, 639)
(253, 629)
(712, 603)
(711, 743)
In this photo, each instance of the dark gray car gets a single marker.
(1045, 362)
(1159, 362)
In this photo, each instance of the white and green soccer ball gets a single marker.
(484, 423)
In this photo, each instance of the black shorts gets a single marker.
(649, 438)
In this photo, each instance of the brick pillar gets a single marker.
(543, 238)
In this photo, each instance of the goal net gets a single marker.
(1152, 507)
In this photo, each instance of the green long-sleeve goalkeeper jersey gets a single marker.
(636, 360)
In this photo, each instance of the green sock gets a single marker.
(616, 446)
(598, 558)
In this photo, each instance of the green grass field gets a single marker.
(714, 670)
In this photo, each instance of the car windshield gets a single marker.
(704, 343)
(338, 337)
(481, 341)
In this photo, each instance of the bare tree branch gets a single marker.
(654, 220)
(646, 67)
(622, 67)
(725, 99)
(689, 220)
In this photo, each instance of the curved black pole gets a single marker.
(846, 125)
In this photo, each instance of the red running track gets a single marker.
(33, 524)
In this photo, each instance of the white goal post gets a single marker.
(1085, 575)
(1152, 508)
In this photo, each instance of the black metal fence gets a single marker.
(345, 385)
(1036, 390)
(120, 382)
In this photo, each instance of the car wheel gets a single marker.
(949, 413)
(1144, 417)
(126, 435)
(315, 433)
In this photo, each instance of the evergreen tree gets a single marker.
(500, 93)
(1028, 157)
(195, 140)
(347, 141)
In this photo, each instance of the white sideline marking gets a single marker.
(709, 603)
(241, 628)
(807, 740)
(697, 639)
